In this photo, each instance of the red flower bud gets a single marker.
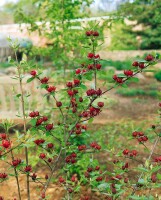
(95, 33)
(100, 178)
(98, 66)
(135, 64)
(44, 80)
(6, 144)
(78, 71)
(141, 65)
(51, 89)
(28, 168)
(90, 55)
(61, 179)
(73, 178)
(58, 103)
(76, 82)
(149, 58)
(46, 177)
(125, 152)
(34, 176)
(3, 136)
(49, 127)
(128, 72)
(33, 73)
(42, 155)
(50, 145)
(100, 104)
(97, 168)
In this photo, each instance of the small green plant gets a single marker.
(158, 76)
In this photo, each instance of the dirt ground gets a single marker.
(133, 108)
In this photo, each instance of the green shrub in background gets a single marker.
(119, 65)
(122, 38)
(158, 76)
(131, 92)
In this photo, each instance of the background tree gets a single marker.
(56, 24)
(147, 14)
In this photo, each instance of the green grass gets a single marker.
(119, 65)
(131, 92)
(5, 64)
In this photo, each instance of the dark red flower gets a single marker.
(39, 141)
(81, 147)
(28, 168)
(100, 104)
(33, 73)
(44, 118)
(98, 66)
(125, 152)
(97, 168)
(44, 80)
(135, 64)
(6, 144)
(58, 103)
(50, 145)
(3, 136)
(149, 58)
(76, 82)
(128, 72)
(16, 162)
(78, 71)
(70, 93)
(99, 178)
(95, 33)
(61, 179)
(42, 155)
(49, 127)
(51, 89)
(69, 84)
(141, 65)
(154, 178)
(49, 160)
(39, 121)
(34, 176)
(90, 55)
(73, 178)
(3, 175)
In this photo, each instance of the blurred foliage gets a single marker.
(131, 92)
(147, 14)
(157, 75)
(5, 64)
(64, 34)
(118, 64)
(122, 38)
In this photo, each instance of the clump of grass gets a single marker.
(131, 92)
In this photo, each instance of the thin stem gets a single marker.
(24, 124)
(16, 174)
(150, 155)
(52, 171)
(11, 149)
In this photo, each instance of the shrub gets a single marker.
(60, 142)
(158, 76)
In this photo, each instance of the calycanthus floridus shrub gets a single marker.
(62, 144)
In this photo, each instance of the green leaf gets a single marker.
(121, 75)
(33, 121)
(142, 60)
(18, 95)
(134, 79)
(83, 86)
(30, 79)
